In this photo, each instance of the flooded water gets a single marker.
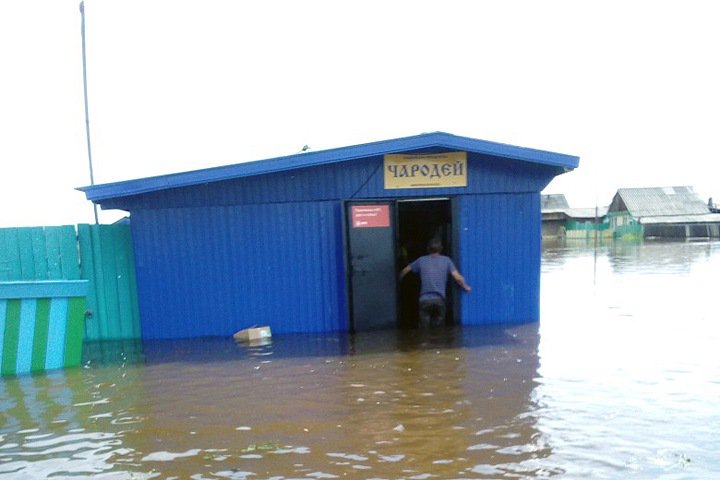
(620, 379)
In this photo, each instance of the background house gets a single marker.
(560, 220)
(667, 212)
(554, 218)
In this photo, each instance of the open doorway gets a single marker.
(420, 220)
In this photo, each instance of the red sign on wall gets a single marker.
(369, 216)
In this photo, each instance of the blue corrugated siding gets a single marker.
(268, 250)
(214, 270)
(500, 256)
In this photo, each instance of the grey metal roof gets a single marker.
(702, 218)
(660, 201)
(423, 142)
(557, 203)
(588, 212)
(577, 213)
(553, 201)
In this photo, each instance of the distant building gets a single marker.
(560, 220)
(553, 201)
(666, 212)
(554, 217)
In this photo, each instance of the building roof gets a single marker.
(424, 143)
(701, 218)
(553, 201)
(658, 201)
(556, 203)
(574, 213)
(586, 212)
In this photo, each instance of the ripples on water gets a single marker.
(619, 380)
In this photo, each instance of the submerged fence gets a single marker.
(101, 254)
(41, 325)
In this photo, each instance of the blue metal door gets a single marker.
(371, 256)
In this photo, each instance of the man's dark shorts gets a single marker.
(432, 311)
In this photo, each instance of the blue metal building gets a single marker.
(313, 242)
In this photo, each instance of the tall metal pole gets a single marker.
(87, 112)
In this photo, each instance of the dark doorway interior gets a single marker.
(418, 222)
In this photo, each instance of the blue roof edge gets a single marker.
(324, 157)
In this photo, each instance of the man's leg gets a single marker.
(425, 313)
(438, 312)
(432, 312)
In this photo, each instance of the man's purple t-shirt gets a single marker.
(433, 271)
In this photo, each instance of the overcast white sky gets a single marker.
(632, 87)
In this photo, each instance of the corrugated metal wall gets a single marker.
(269, 250)
(500, 257)
(212, 271)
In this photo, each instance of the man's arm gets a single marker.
(405, 271)
(460, 280)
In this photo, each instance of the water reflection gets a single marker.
(628, 366)
(404, 404)
(48, 427)
(620, 379)
(113, 352)
(657, 256)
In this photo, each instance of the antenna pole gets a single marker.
(87, 113)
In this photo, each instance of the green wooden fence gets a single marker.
(39, 253)
(101, 254)
(107, 261)
(41, 325)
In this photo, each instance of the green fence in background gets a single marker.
(101, 254)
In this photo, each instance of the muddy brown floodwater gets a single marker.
(620, 379)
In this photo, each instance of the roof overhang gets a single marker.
(424, 142)
(708, 218)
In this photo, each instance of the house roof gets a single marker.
(659, 201)
(556, 203)
(438, 141)
(553, 201)
(701, 218)
(586, 212)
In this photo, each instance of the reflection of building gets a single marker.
(450, 401)
(445, 401)
(669, 212)
(560, 220)
(65, 423)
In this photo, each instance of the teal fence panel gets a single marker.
(39, 253)
(108, 263)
